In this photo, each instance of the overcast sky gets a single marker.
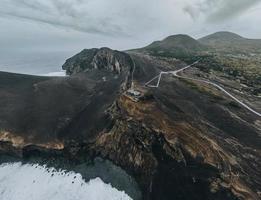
(119, 24)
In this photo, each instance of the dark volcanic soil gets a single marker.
(43, 109)
(183, 140)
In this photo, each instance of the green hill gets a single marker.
(175, 45)
(231, 43)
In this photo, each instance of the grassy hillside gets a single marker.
(228, 42)
(174, 46)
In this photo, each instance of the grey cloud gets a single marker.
(88, 29)
(45, 23)
(192, 11)
(219, 10)
(69, 14)
(232, 9)
(116, 18)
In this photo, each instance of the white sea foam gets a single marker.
(34, 182)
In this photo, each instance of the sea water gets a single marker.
(41, 63)
(37, 182)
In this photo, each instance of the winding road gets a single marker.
(175, 73)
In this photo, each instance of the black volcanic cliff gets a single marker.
(103, 58)
(181, 141)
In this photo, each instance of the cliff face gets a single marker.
(103, 58)
(185, 141)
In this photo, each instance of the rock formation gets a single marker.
(184, 142)
(103, 58)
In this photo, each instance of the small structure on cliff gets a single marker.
(134, 94)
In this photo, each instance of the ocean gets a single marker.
(36, 182)
(41, 63)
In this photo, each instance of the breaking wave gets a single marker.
(23, 182)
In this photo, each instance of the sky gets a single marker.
(119, 24)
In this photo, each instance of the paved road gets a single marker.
(175, 73)
(132, 74)
(168, 72)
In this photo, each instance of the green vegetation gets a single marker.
(227, 43)
(178, 46)
(204, 90)
(246, 71)
(234, 104)
(236, 57)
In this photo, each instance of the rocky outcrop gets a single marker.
(101, 59)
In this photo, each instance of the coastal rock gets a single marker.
(101, 59)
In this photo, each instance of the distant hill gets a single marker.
(175, 45)
(221, 36)
(186, 46)
(231, 43)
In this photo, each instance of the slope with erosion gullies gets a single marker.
(174, 46)
(180, 141)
